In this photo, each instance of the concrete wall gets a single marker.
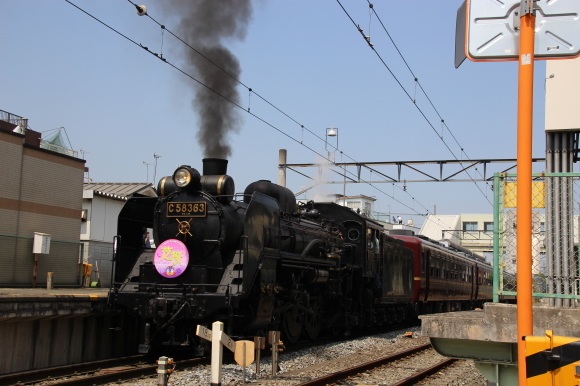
(61, 340)
(11, 157)
(40, 191)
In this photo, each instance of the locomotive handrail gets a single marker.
(306, 259)
(181, 285)
(159, 287)
(310, 245)
(218, 241)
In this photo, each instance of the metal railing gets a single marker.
(465, 235)
(59, 149)
(14, 119)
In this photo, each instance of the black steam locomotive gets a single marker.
(265, 263)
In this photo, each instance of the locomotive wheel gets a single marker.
(293, 322)
(313, 322)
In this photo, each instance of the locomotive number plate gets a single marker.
(186, 209)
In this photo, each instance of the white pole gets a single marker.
(282, 156)
(244, 360)
(216, 353)
(49, 280)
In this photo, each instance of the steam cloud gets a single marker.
(206, 25)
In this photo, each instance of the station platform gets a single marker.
(7, 293)
(489, 336)
(61, 326)
(40, 302)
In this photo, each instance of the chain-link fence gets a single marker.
(100, 255)
(17, 263)
(555, 227)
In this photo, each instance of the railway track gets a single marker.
(402, 360)
(393, 358)
(31, 377)
(118, 369)
(352, 375)
(94, 373)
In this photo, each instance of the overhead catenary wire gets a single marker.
(417, 82)
(245, 110)
(412, 99)
(372, 9)
(251, 91)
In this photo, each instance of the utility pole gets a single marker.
(147, 164)
(156, 156)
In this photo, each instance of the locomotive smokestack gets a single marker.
(215, 166)
(207, 26)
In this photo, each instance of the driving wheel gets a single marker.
(313, 322)
(293, 322)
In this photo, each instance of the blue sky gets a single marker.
(119, 104)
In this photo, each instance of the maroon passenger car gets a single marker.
(446, 277)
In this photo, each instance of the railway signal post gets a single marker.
(259, 344)
(217, 337)
(516, 40)
(274, 340)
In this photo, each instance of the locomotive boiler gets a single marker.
(258, 262)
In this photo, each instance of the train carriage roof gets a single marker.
(444, 246)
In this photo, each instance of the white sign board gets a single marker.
(228, 342)
(492, 29)
(41, 243)
(203, 332)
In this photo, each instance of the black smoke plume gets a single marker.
(207, 26)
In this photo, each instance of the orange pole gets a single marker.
(524, 189)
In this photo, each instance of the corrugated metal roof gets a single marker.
(120, 189)
(434, 225)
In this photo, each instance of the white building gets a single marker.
(101, 205)
(476, 232)
(361, 204)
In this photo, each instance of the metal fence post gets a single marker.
(496, 231)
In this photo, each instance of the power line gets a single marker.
(164, 28)
(372, 8)
(371, 45)
(240, 107)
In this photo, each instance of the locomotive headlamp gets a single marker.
(187, 177)
(182, 177)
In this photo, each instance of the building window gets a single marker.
(367, 208)
(488, 227)
(470, 225)
(353, 204)
(542, 227)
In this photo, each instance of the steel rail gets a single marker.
(110, 375)
(340, 375)
(116, 376)
(412, 380)
(66, 370)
